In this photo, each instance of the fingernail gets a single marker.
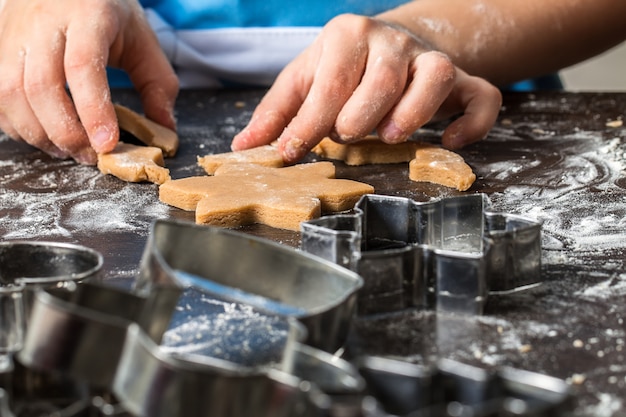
(294, 149)
(456, 142)
(240, 141)
(391, 133)
(170, 116)
(86, 156)
(102, 140)
(56, 153)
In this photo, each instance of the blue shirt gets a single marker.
(217, 43)
(207, 14)
(214, 43)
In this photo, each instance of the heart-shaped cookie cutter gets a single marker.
(448, 254)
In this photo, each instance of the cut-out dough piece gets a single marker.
(267, 155)
(147, 131)
(370, 150)
(134, 163)
(240, 194)
(441, 166)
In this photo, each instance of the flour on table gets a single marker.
(574, 217)
(55, 199)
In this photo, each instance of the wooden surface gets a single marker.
(557, 157)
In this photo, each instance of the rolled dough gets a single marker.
(240, 194)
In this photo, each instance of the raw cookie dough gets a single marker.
(267, 155)
(147, 131)
(134, 163)
(441, 166)
(370, 150)
(427, 162)
(240, 194)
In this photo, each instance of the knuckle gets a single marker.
(9, 88)
(36, 83)
(441, 65)
(351, 25)
(393, 78)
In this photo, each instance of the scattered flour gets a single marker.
(57, 198)
(205, 326)
(582, 207)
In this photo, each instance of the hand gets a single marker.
(48, 45)
(363, 74)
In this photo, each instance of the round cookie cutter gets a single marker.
(29, 265)
(25, 267)
(46, 264)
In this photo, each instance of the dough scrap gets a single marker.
(267, 155)
(134, 163)
(441, 166)
(147, 131)
(370, 150)
(240, 194)
(427, 162)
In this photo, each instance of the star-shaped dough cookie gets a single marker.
(240, 194)
(134, 163)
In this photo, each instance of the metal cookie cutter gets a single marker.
(271, 277)
(26, 267)
(97, 340)
(452, 388)
(108, 338)
(448, 254)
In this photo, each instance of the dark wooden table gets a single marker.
(559, 157)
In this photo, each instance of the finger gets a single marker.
(151, 73)
(44, 84)
(337, 75)
(482, 102)
(279, 105)
(433, 79)
(86, 55)
(19, 121)
(382, 85)
(7, 128)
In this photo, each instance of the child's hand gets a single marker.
(48, 45)
(363, 74)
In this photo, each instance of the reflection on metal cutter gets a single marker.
(447, 254)
(451, 388)
(238, 267)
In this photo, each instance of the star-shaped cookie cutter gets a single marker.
(448, 254)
